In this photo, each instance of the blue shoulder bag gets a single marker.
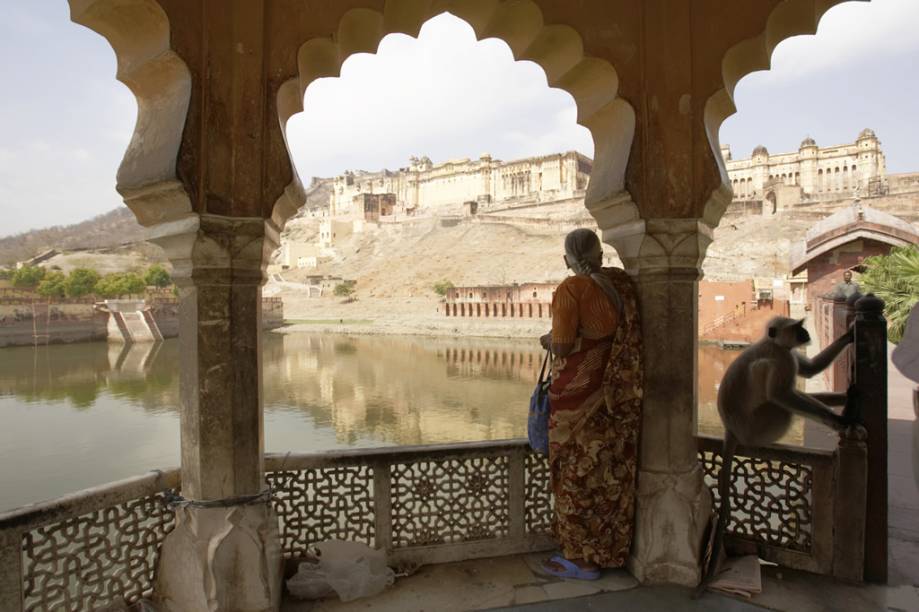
(538, 418)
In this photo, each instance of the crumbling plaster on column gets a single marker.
(673, 512)
(221, 560)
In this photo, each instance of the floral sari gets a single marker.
(595, 419)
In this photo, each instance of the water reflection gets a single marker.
(81, 415)
(397, 390)
(76, 374)
(713, 361)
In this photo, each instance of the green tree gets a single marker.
(345, 289)
(441, 287)
(54, 284)
(6, 274)
(120, 284)
(81, 281)
(28, 277)
(895, 279)
(157, 276)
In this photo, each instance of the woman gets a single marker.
(595, 411)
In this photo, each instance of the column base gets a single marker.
(221, 560)
(674, 509)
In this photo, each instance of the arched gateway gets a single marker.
(208, 172)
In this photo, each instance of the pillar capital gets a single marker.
(217, 250)
(667, 247)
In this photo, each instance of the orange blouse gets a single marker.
(580, 308)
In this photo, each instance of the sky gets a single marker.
(444, 95)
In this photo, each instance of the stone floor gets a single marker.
(510, 583)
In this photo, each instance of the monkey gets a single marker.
(757, 399)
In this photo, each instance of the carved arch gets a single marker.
(789, 18)
(557, 49)
(138, 32)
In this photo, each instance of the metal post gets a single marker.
(870, 380)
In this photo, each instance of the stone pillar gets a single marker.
(870, 380)
(224, 554)
(674, 505)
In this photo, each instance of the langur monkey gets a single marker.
(757, 399)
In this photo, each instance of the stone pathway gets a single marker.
(509, 583)
(475, 585)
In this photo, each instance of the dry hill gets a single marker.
(405, 260)
(113, 228)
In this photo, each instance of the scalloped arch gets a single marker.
(557, 49)
(790, 18)
(138, 32)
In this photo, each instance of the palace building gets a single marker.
(811, 173)
(490, 183)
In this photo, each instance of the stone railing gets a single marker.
(790, 502)
(423, 504)
(85, 551)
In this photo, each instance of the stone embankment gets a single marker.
(398, 316)
(25, 321)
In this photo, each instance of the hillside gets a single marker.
(405, 260)
(107, 230)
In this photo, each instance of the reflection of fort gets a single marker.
(368, 389)
(501, 364)
(402, 390)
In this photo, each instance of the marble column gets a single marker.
(225, 557)
(674, 505)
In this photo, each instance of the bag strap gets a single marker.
(542, 371)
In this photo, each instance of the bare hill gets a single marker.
(113, 228)
(405, 260)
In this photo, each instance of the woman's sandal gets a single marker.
(571, 570)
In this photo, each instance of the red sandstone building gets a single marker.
(843, 241)
(527, 300)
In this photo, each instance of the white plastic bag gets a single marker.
(350, 569)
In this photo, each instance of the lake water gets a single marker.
(81, 415)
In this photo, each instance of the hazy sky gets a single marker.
(65, 121)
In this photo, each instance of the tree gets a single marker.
(119, 284)
(54, 284)
(345, 289)
(28, 277)
(895, 279)
(441, 287)
(81, 281)
(133, 283)
(6, 273)
(157, 276)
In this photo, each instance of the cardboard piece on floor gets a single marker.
(739, 576)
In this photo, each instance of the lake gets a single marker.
(80, 415)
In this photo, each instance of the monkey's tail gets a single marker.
(724, 512)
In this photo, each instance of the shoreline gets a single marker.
(420, 328)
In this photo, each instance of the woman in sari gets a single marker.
(595, 411)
